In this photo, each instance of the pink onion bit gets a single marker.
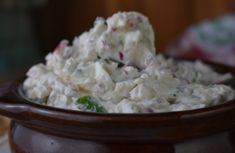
(121, 56)
(149, 60)
(114, 29)
(32, 73)
(125, 72)
(62, 45)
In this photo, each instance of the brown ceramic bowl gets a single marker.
(41, 129)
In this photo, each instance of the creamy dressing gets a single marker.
(115, 64)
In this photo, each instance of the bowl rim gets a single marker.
(106, 117)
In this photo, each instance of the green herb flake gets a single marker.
(90, 104)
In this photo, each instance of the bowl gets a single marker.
(37, 128)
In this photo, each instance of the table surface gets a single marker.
(4, 146)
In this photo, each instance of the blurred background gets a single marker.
(29, 29)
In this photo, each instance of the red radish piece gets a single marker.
(114, 29)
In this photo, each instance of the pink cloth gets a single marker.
(212, 40)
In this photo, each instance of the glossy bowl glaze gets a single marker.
(41, 129)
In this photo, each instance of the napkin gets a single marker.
(212, 40)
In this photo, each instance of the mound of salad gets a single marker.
(114, 68)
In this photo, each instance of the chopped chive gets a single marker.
(90, 104)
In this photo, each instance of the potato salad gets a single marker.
(114, 68)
